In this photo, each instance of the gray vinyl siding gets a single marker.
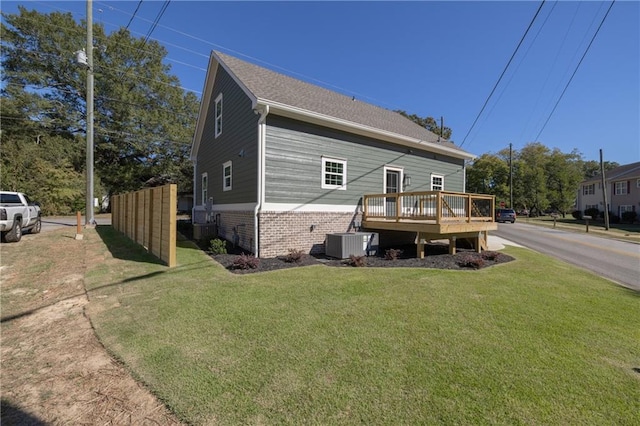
(294, 154)
(239, 132)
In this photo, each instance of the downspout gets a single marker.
(262, 137)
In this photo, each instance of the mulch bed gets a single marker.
(436, 257)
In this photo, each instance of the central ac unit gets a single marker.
(346, 244)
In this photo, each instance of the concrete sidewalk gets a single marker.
(498, 243)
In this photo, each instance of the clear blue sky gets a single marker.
(428, 58)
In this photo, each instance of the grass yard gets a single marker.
(619, 231)
(534, 341)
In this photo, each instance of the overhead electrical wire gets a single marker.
(576, 70)
(134, 15)
(503, 72)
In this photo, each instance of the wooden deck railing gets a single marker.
(429, 206)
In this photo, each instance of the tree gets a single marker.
(143, 119)
(489, 174)
(564, 173)
(428, 123)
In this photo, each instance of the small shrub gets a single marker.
(218, 246)
(294, 256)
(629, 217)
(469, 261)
(577, 214)
(357, 261)
(392, 254)
(593, 212)
(246, 262)
(489, 255)
(614, 218)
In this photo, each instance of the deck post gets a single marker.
(420, 250)
(469, 206)
(452, 244)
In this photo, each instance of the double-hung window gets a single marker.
(437, 182)
(589, 189)
(621, 188)
(334, 173)
(226, 176)
(218, 114)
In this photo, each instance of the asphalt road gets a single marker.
(55, 222)
(616, 260)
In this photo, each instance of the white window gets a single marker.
(437, 182)
(638, 183)
(625, 209)
(218, 112)
(334, 173)
(621, 188)
(226, 176)
(590, 206)
(589, 189)
(205, 183)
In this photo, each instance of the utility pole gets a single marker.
(89, 219)
(604, 194)
(511, 175)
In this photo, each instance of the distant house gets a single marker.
(622, 185)
(279, 163)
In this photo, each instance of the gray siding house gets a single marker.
(279, 163)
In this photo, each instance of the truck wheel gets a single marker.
(15, 234)
(37, 227)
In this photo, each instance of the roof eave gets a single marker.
(351, 127)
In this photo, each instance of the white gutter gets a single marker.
(262, 138)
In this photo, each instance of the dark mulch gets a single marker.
(436, 257)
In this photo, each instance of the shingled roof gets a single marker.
(268, 87)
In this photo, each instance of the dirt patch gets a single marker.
(54, 369)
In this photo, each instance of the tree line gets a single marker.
(543, 178)
(144, 120)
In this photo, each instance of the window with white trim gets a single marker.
(334, 173)
(638, 183)
(226, 176)
(204, 180)
(218, 115)
(591, 206)
(437, 182)
(621, 188)
(625, 209)
(589, 189)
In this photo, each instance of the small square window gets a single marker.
(437, 183)
(620, 188)
(226, 176)
(334, 174)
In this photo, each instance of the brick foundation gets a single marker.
(306, 231)
(236, 227)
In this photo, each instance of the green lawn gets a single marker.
(619, 231)
(534, 341)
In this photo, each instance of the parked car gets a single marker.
(505, 215)
(17, 215)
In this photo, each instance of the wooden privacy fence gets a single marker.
(148, 217)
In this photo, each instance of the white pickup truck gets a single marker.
(18, 214)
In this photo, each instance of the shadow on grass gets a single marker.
(12, 415)
(121, 247)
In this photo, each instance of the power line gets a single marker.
(134, 14)
(576, 70)
(503, 72)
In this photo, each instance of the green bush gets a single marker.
(629, 217)
(577, 214)
(593, 212)
(218, 246)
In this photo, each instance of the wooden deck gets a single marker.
(433, 215)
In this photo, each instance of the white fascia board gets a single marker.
(317, 208)
(351, 127)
